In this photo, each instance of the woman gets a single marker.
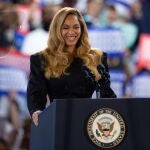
(68, 66)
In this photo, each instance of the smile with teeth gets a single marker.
(71, 38)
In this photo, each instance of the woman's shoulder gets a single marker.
(99, 54)
(37, 56)
(37, 59)
(96, 51)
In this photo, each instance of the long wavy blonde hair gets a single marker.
(57, 59)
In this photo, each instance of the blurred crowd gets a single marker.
(24, 27)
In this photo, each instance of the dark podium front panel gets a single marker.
(63, 124)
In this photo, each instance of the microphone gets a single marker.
(91, 77)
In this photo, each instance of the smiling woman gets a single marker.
(68, 67)
(71, 31)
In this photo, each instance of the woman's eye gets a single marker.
(77, 27)
(65, 27)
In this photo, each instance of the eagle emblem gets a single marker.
(105, 128)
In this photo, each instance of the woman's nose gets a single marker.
(71, 31)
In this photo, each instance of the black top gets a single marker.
(74, 85)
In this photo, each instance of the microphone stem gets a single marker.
(98, 96)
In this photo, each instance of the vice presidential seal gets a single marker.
(106, 128)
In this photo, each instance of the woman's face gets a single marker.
(71, 31)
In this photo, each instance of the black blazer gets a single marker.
(74, 85)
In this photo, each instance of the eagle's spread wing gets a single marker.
(111, 127)
(99, 127)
